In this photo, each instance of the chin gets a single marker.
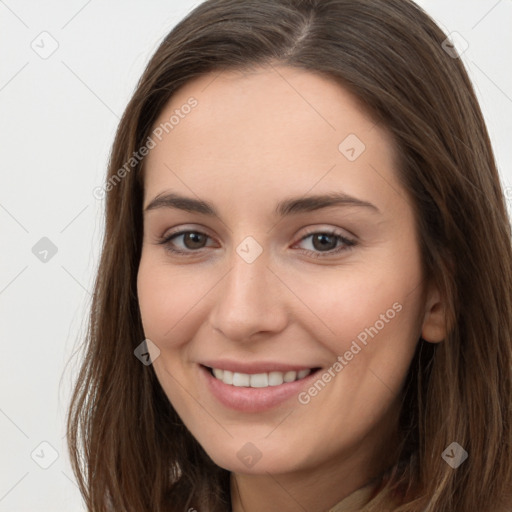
(242, 456)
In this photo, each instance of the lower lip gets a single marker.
(246, 399)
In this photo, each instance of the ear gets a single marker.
(433, 328)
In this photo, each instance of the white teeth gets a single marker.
(241, 379)
(290, 376)
(275, 378)
(303, 373)
(228, 377)
(258, 380)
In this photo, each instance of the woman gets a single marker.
(235, 360)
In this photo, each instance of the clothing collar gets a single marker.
(355, 501)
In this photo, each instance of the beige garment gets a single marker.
(355, 501)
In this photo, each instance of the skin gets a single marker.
(255, 138)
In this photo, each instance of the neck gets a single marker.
(314, 490)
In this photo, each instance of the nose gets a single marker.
(250, 301)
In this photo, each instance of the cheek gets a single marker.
(370, 316)
(153, 299)
(336, 305)
(351, 304)
(167, 296)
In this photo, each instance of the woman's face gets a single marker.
(298, 279)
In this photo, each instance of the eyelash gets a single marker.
(348, 243)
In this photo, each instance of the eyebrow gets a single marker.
(290, 206)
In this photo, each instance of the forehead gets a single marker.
(268, 130)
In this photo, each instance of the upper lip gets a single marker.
(256, 366)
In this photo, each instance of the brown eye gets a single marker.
(185, 242)
(194, 240)
(324, 241)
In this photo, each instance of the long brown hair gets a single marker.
(129, 449)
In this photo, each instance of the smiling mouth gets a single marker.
(259, 380)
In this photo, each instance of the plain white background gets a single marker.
(58, 115)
